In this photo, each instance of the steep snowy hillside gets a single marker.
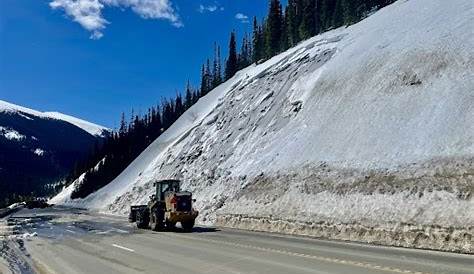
(36, 149)
(363, 133)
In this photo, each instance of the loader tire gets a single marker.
(188, 226)
(157, 223)
(170, 225)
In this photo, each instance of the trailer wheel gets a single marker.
(143, 220)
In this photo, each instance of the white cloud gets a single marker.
(96, 35)
(88, 13)
(210, 8)
(203, 8)
(242, 18)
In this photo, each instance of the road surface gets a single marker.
(59, 240)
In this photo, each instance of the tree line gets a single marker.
(107, 161)
(280, 30)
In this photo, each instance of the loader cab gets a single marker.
(164, 186)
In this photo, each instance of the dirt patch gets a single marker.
(452, 239)
(420, 205)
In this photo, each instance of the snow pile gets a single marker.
(39, 152)
(16, 205)
(89, 127)
(362, 133)
(65, 194)
(24, 236)
(11, 134)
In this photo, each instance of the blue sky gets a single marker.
(53, 61)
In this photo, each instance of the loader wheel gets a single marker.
(188, 226)
(157, 222)
(170, 225)
(158, 226)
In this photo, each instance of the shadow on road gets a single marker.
(180, 230)
(205, 229)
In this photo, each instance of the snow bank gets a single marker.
(364, 132)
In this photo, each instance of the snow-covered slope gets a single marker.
(89, 127)
(9, 107)
(361, 133)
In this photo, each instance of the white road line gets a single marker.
(73, 232)
(124, 248)
(120, 231)
(103, 232)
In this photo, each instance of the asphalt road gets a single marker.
(65, 241)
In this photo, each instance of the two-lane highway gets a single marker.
(81, 242)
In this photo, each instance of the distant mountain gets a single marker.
(38, 148)
(89, 127)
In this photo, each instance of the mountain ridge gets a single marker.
(38, 149)
(91, 128)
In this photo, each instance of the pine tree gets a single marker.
(188, 99)
(231, 64)
(204, 88)
(167, 115)
(299, 7)
(257, 41)
(338, 14)
(310, 20)
(123, 125)
(156, 126)
(178, 106)
(246, 50)
(293, 18)
(196, 96)
(326, 10)
(244, 57)
(249, 49)
(209, 75)
(217, 73)
(290, 13)
(206, 78)
(274, 29)
(285, 36)
(351, 11)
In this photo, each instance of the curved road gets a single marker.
(65, 241)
